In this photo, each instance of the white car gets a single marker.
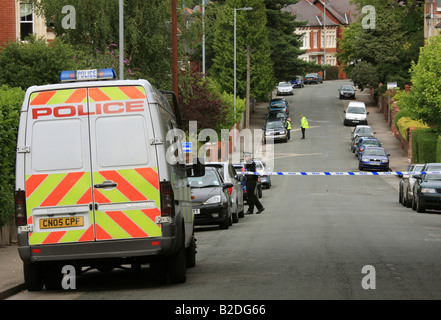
(355, 114)
(284, 88)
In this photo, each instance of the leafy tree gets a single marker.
(251, 32)
(10, 103)
(364, 75)
(424, 98)
(24, 64)
(147, 33)
(284, 43)
(392, 45)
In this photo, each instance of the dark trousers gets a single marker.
(253, 200)
(303, 133)
(288, 134)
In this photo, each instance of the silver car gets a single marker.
(406, 185)
(284, 88)
(262, 169)
(228, 173)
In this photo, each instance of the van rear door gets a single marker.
(91, 173)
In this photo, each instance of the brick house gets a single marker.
(17, 20)
(432, 15)
(321, 48)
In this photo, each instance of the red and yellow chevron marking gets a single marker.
(70, 189)
(80, 95)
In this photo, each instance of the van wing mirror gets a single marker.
(196, 169)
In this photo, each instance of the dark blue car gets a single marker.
(366, 142)
(374, 158)
(297, 82)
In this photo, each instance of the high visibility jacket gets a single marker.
(288, 125)
(304, 123)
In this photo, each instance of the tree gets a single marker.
(24, 64)
(147, 33)
(284, 43)
(424, 98)
(364, 75)
(251, 32)
(392, 45)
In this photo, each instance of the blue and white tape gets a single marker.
(348, 173)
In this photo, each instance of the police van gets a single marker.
(94, 187)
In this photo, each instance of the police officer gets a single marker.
(288, 128)
(251, 183)
(304, 124)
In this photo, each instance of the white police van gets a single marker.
(94, 187)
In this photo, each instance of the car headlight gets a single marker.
(385, 161)
(364, 160)
(428, 190)
(214, 199)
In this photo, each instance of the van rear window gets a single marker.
(57, 145)
(121, 141)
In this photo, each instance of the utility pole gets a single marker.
(121, 40)
(175, 69)
(247, 110)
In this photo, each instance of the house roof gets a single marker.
(307, 10)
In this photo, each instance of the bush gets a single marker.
(400, 114)
(438, 150)
(24, 64)
(10, 104)
(405, 123)
(424, 145)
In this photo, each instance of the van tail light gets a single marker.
(230, 190)
(167, 199)
(20, 208)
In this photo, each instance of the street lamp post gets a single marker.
(235, 121)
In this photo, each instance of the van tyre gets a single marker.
(33, 276)
(191, 253)
(178, 266)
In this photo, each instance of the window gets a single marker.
(26, 20)
(315, 39)
(121, 141)
(57, 145)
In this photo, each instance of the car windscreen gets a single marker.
(433, 176)
(371, 143)
(278, 104)
(276, 115)
(210, 179)
(357, 110)
(375, 152)
(347, 88)
(274, 125)
(284, 84)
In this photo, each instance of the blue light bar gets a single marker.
(86, 75)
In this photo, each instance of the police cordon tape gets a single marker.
(325, 173)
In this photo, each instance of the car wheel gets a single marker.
(413, 201)
(400, 196)
(419, 207)
(408, 200)
(236, 214)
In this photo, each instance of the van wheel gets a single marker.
(178, 266)
(191, 253)
(33, 276)
(53, 277)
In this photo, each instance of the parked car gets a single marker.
(277, 115)
(284, 88)
(313, 78)
(262, 169)
(297, 82)
(427, 188)
(346, 92)
(280, 99)
(278, 105)
(355, 114)
(274, 130)
(240, 168)
(362, 130)
(364, 142)
(211, 199)
(374, 158)
(228, 173)
(406, 184)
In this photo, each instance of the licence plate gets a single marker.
(196, 211)
(65, 222)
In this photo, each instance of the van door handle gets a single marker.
(106, 185)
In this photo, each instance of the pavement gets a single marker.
(11, 266)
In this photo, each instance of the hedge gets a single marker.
(10, 104)
(405, 123)
(424, 145)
